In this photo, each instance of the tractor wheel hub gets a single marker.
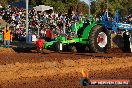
(102, 39)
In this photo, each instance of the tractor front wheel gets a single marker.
(59, 47)
(99, 39)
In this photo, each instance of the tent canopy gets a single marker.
(43, 8)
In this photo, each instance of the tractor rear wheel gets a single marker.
(99, 39)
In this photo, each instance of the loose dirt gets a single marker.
(61, 70)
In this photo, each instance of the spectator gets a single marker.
(40, 44)
(11, 36)
(34, 38)
(42, 33)
(7, 37)
(48, 35)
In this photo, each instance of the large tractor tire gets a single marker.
(59, 47)
(99, 39)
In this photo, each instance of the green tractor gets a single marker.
(89, 35)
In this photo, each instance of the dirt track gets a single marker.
(55, 70)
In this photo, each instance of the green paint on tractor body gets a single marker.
(81, 37)
(49, 45)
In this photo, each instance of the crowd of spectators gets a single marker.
(40, 23)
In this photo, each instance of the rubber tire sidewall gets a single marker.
(58, 47)
(94, 47)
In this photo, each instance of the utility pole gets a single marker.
(89, 7)
(26, 21)
(107, 8)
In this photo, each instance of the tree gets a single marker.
(113, 5)
(97, 6)
(4, 3)
(83, 7)
(59, 7)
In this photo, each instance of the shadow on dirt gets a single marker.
(95, 55)
(24, 49)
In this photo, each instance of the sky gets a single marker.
(86, 1)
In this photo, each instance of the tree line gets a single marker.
(97, 6)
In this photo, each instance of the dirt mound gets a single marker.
(6, 50)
